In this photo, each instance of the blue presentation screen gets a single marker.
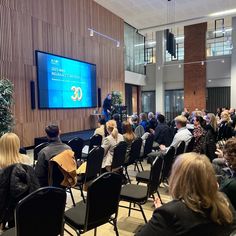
(65, 83)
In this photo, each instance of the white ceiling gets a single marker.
(147, 13)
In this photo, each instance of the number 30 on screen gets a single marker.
(77, 93)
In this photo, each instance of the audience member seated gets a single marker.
(144, 122)
(101, 130)
(197, 208)
(211, 136)
(199, 134)
(134, 120)
(139, 131)
(109, 143)
(232, 117)
(54, 148)
(9, 151)
(152, 122)
(16, 182)
(163, 133)
(116, 117)
(228, 184)
(129, 137)
(183, 134)
(225, 127)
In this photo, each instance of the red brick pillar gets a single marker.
(194, 69)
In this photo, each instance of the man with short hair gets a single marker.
(183, 134)
(54, 148)
(163, 133)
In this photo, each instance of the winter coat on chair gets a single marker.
(16, 182)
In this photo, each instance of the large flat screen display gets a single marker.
(65, 82)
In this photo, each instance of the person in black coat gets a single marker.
(197, 208)
(107, 107)
(16, 182)
(210, 136)
(163, 133)
(225, 127)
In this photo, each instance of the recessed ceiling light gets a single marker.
(209, 80)
(222, 13)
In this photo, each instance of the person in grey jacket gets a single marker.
(54, 148)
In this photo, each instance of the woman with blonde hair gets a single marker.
(225, 126)
(9, 151)
(197, 208)
(109, 143)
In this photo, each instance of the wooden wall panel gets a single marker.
(59, 27)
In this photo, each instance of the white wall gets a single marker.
(219, 71)
(135, 78)
(150, 78)
(218, 74)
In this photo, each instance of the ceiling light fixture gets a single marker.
(222, 13)
(92, 32)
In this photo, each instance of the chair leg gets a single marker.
(115, 227)
(127, 175)
(159, 196)
(136, 166)
(72, 197)
(81, 191)
(69, 232)
(140, 162)
(129, 209)
(144, 217)
(95, 232)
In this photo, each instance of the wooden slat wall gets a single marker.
(59, 27)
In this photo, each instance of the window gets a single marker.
(148, 101)
(134, 50)
(174, 103)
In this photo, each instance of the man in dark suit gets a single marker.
(163, 133)
(107, 107)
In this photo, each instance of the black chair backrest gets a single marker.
(168, 161)
(135, 150)
(95, 140)
(22, 151)
(94, 163)
(148, 145)
(41, 213)
(102, 199)
(155, 175)
(38, 148)
(119, 155)
(180, 149)
(190, 145)
(77, 145)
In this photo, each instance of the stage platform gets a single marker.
(85, 135)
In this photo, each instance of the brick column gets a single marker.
(195, 73)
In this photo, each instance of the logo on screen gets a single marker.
(77, 93)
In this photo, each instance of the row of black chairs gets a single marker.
(43, 212)
(103, 197)
(76, 145)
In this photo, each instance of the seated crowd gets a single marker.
(202, 182)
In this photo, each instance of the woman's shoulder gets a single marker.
(120, 137)
(25, 159)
